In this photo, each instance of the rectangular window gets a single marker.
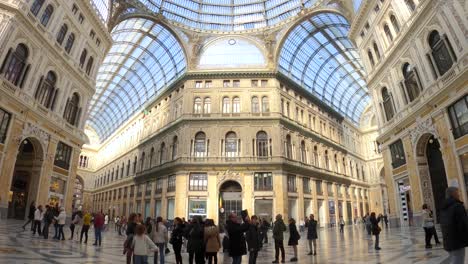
(330, 189)
(81, 18)
(319, 187)
(139, 190)
(236, 83)
(226, 83)
(148, 188)
(263, 181)
(458, 113)
(63, 155)
(208, 84)
(74, 9)
(92, 34)
(398, 154)
(305, 185)
(98, 42)
(198, 182)
(197, 207)
(254, 83)
(292, 183)
(198, 84)
(264, 83)
(159, 186)
(4, 123)
(171, 183)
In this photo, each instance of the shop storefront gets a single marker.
(197, 207)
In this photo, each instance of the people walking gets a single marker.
(375, 229)
(254, 239)
(130, 232)
(265, 227)
(278, 229)
(368, 224)
(98, 226)
(212, 241)
(235, 230)
(76, 219)
(60, 220)
(433, 229)
(38, 216)
(85, 227)
(428, 224)
(342, 224)
(385, 218)
(32, 210)
(141, 245)
(106, 222)
(293, 238)
(160, 238)
(177, 239)
(48, 220)
(56, 212)
(312, 235)
(194, 235)
(454, 224)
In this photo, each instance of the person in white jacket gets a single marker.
(142, 245)
(160, 238)
(38, 215)
(61, 222)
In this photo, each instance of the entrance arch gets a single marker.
(230, 200)
(26, 175)
(431, 172)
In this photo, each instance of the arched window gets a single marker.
(47, 15)
(395, 24)
(376, 51)
(175, 143)
(387, 104)
(231, 145)
(200, 145)
(236, 105)
(142, 161)
(89, 65)
(265, 104)
(262, 144)
(197, 105)
(84, 53)
(162, 153)
(441, 51)
(117, 173)
(337, 166)
(36, 7)
(128, 168)
(255, 105)
(14, 66)
(70, 41)
(122, 169)
(226, 105)
(62, 33)
(134, 165)
(371, 58)
(303, 152)
(207, 105)
(344, 166)
(410, 4)
(46, 92)
(327, 160)
(72, 110)
(411, 82)
(151, 158)
(288, 147)
(388, 33)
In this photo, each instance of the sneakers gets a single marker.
(377, 248)
(315, 253)
(293, 259)
(310, 253)
(275, 261)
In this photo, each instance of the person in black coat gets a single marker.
(265, 226)
(195, 241)
(375, 228)
(254, 239)
(454, 224)
(293, 237)
(236, 231)
(32, 209)
(312, 234)
(48, 219)
(176, 239)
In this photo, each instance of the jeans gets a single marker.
(177, 248)
(97, 235)
(60, 232)
(84, 230)
(161, 254)
(434, 232)
(253, 256)
(199, 257)
(428, 235)
(376, 241)
(341, 228)
(212, 256)
(279, 246)
(56, 233)
(37, 227)
(29, 221)
(137, 259)
(236, 259)
(457, 256)
(72, 229)
(45, 231)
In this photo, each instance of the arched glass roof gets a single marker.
(144, 59)
(231, 52)
(226, 15)
(318, 55)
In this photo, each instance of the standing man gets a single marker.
(48, 219)
(98, 225)
(342, 223)
(235, 230)
(265, 226)
(278, 229)
(312, 234)
(38, 215)
(454, 224)
(254, 240)
(32, 210)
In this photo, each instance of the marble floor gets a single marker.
(398, 246)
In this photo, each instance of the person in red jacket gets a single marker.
(98, 225)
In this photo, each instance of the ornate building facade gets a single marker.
(415, 53)
(50, 52)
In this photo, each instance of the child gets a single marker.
(141, 243)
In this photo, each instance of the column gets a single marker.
(47, 168)
(182, 194)
(71, 180)
(280, 194)
(212, 202)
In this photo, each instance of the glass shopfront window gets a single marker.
(157, 208)
(331, 212)
(197, 207)
(170, 209)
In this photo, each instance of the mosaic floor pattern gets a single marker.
(398, 246)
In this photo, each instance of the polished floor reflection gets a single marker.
(398, 246)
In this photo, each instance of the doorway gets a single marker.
(230, 200)
(25, 180)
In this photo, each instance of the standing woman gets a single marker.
(293, 237)
(375, 229)
(130, 232)
(160, 238)
(312, 234)
(176, 239)
(32, 210)
(212, 241)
